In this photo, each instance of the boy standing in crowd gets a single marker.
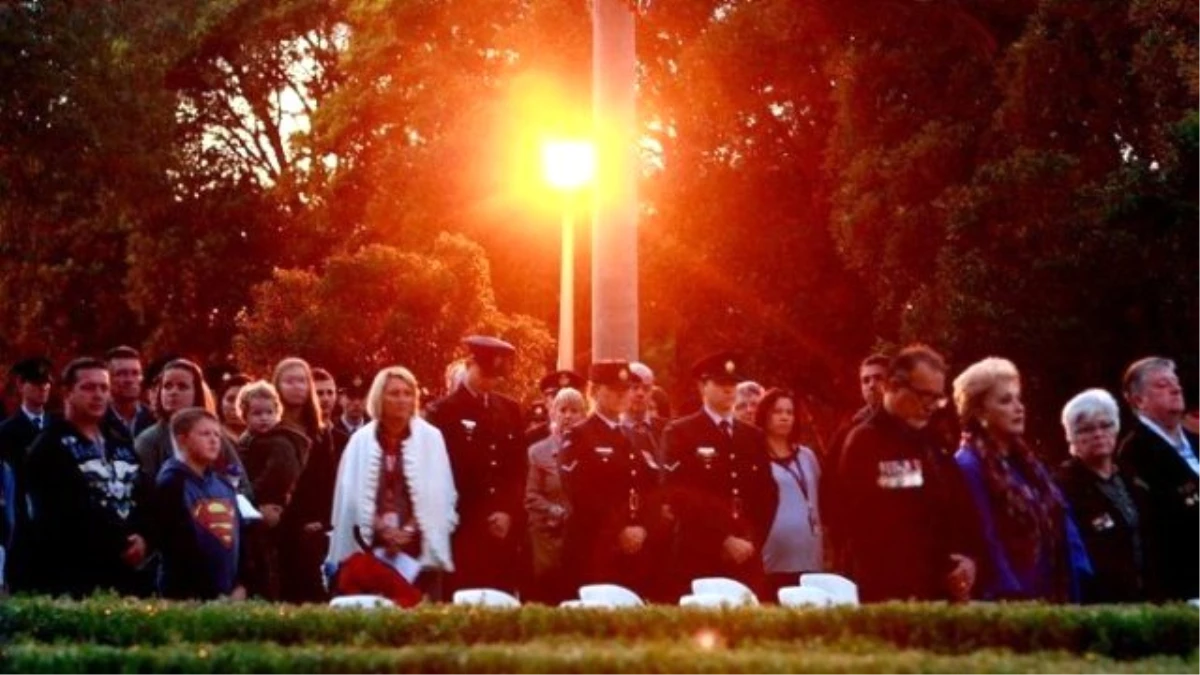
(197, 526)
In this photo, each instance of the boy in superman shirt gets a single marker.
(197, 529)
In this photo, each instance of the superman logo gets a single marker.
(218, 516)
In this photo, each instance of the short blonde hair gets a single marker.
(977, 380)
(258, 391)
(568, 395)
(375, 394)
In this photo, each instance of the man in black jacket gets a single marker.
(82, 480)
(719, 483)
(1162, 454)
(911, 531)
(126, 414)
(485, 440)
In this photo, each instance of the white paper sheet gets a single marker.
(247, 509)
(406, 565)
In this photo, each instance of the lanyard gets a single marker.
(797, 475)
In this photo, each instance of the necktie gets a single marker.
(726, 428)
(37, 422)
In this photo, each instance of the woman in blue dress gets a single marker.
(1033, 549)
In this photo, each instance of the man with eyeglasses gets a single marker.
(1163, 456)
(908, 524)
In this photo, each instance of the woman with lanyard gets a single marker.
(793, 545)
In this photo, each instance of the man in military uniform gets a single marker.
(33, 379)
(550, 386)
(486, 444)
(719, 482)
(607, 482)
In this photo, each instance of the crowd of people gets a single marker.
(176, 481)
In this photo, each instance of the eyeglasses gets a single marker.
(929, 399)
(1085, 429)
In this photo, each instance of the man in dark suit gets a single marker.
(1162, 454)
(645, 429)
(352, 399)
(484, 434)
(608, 483)
(719, 483)
(17, 433)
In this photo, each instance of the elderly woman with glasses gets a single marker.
(1033, 548)
(1107, 503)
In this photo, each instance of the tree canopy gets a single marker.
(820, 180)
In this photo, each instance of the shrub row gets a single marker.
(1118, 632)
(657, 657)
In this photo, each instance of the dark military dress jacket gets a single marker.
(1173, 521)
(485, 442)
(1113, 532)
(608, 483)
(719, 485)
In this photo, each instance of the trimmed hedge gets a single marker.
(1116, 632)
(654, 657)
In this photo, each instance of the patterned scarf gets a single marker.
(1029, 510)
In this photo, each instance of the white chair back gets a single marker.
(608, 595)
(842, 590)
(735, 590)
(567, 604)
(804, 596)
(361, 602)
(708, 600)
(488, 597)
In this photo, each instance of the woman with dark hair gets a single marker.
(794, 544)
(227, 404)
(660, 404)
(1032, 549)
(181, 385)
(303, 540)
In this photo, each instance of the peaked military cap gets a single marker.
(494, 356)
(35, 369)
(613, 373)
(560, 379)
(355, 387)
(723, 366)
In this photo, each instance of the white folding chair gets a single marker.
(840, 589)
(608, 595)
(707, 600)
(361, 602)
(567, 604)
(735, 590)
(488, 597)
(804, 596)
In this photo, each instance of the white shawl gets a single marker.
(430, 486)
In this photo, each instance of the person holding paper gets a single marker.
(395, 497)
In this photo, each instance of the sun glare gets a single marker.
(568, 164)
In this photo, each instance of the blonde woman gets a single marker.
(1033, 550)
(545, 501)
(395, 495)
(303, 531)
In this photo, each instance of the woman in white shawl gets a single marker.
(395, 493)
